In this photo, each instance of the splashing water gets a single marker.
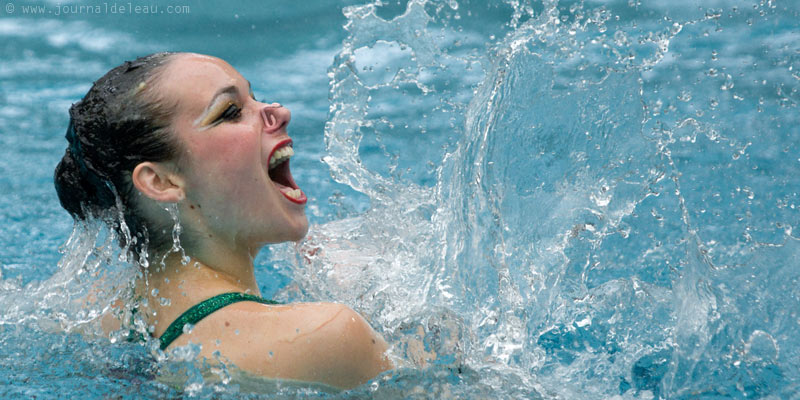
(566, 199)
(590, 228)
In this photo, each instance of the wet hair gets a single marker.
(118, 124)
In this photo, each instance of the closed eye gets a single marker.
(231, 113)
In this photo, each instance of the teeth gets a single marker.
(280, 155)
(294, 193)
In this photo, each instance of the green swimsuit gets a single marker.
(203, 309)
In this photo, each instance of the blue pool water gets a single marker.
(528, 199)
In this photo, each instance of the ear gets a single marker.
(158, 182)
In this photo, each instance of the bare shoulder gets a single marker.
(319, 342)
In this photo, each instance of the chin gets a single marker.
(295, 231)
(299, 233)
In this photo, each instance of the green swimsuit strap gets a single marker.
(203, 309)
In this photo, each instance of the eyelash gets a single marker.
(232, 113)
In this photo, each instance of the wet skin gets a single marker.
(224, 161)
(230, 205)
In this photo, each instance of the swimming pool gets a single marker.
(550, 199)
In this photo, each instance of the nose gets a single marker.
(275, 117)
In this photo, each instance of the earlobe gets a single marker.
(158, 182)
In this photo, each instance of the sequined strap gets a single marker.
(203, 309)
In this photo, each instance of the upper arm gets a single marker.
(320, 342)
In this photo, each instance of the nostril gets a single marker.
(269, 120)
(274, 117)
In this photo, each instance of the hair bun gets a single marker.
(75, 191)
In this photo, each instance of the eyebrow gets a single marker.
(230, 90)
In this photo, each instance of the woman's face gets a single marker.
(228, 142)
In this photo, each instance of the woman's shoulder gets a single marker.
(321, 342)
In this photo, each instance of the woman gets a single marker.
(177, 131)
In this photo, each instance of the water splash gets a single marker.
(567, 200)
(92, 274)
(565, 241)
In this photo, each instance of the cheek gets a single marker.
(231, 155)
(223, 167)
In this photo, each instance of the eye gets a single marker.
(231, 113)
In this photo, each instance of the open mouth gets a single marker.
(280, 174)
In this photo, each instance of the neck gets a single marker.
(185, 284)
(234, 263)
(215, 268)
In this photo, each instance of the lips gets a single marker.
(280, 174)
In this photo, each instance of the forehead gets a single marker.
(191, 80)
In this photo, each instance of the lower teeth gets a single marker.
(293, 193)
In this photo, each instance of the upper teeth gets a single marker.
(280, 155)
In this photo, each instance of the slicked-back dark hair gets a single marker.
(118, 124)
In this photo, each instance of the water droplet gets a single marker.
(728, 83)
